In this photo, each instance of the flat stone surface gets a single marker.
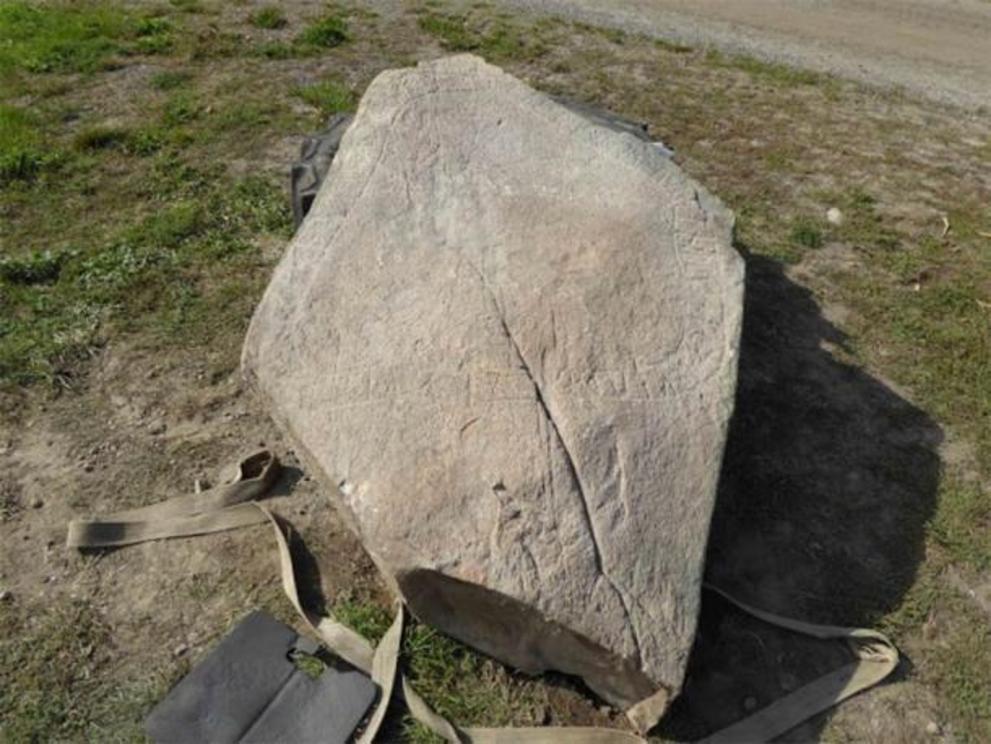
(507, 337)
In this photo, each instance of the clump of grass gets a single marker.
(101, 138)
(146, 140)
(310, 665)
(154, 35)
(22, 151)
(452, 31)
(772, 72)
(365, 618)
(495, 39)
(329, 31)
(463, 685)
(181, 108)
(806, 233)
(170, 79)
(275, 50)
(270, 17)
(455, 680)
(40, 267)
(328, 96)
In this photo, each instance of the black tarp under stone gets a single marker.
(248, 689)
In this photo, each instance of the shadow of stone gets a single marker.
(828, 481)
(288, 478)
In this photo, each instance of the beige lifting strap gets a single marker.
(234, 505)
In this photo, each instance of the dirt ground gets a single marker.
(933, 48)
(837, 460)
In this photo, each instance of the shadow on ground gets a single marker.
(828, 482)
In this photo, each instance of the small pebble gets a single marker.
(933, 729)
(88, 467)
(36, 502)
(4, 595)
(834, 216)
(180, 649)
(157, 428)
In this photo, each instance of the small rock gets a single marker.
(36, 502)
(4, 595)
(933, 728)
(834, 216)
(179, 650)
(750, 703)
(156, 428)
(88, 467)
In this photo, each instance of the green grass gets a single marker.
(806, 233)
(170, 79)
(276, 50)
(270, 17)
(497, 40)
(936, 327)
(328, 96)
(182, 108)
(22, 151)
(154, 35)
(767, 72)
(464, 686)
(327, 32)
(63, 37)
(66, 37)
(456, 681)
(962, 525)
(52, 686)
(34, 268)
(163, 275)
(101, 138)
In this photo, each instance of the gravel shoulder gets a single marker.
(933, 48)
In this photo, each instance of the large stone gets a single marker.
(507, 337)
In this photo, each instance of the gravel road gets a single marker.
(940, 49)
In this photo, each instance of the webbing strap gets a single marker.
(225, 507)
(233, 505)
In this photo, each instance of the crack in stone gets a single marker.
(572, 465)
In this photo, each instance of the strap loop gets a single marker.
(234, 505)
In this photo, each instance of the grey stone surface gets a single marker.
(507, 337)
